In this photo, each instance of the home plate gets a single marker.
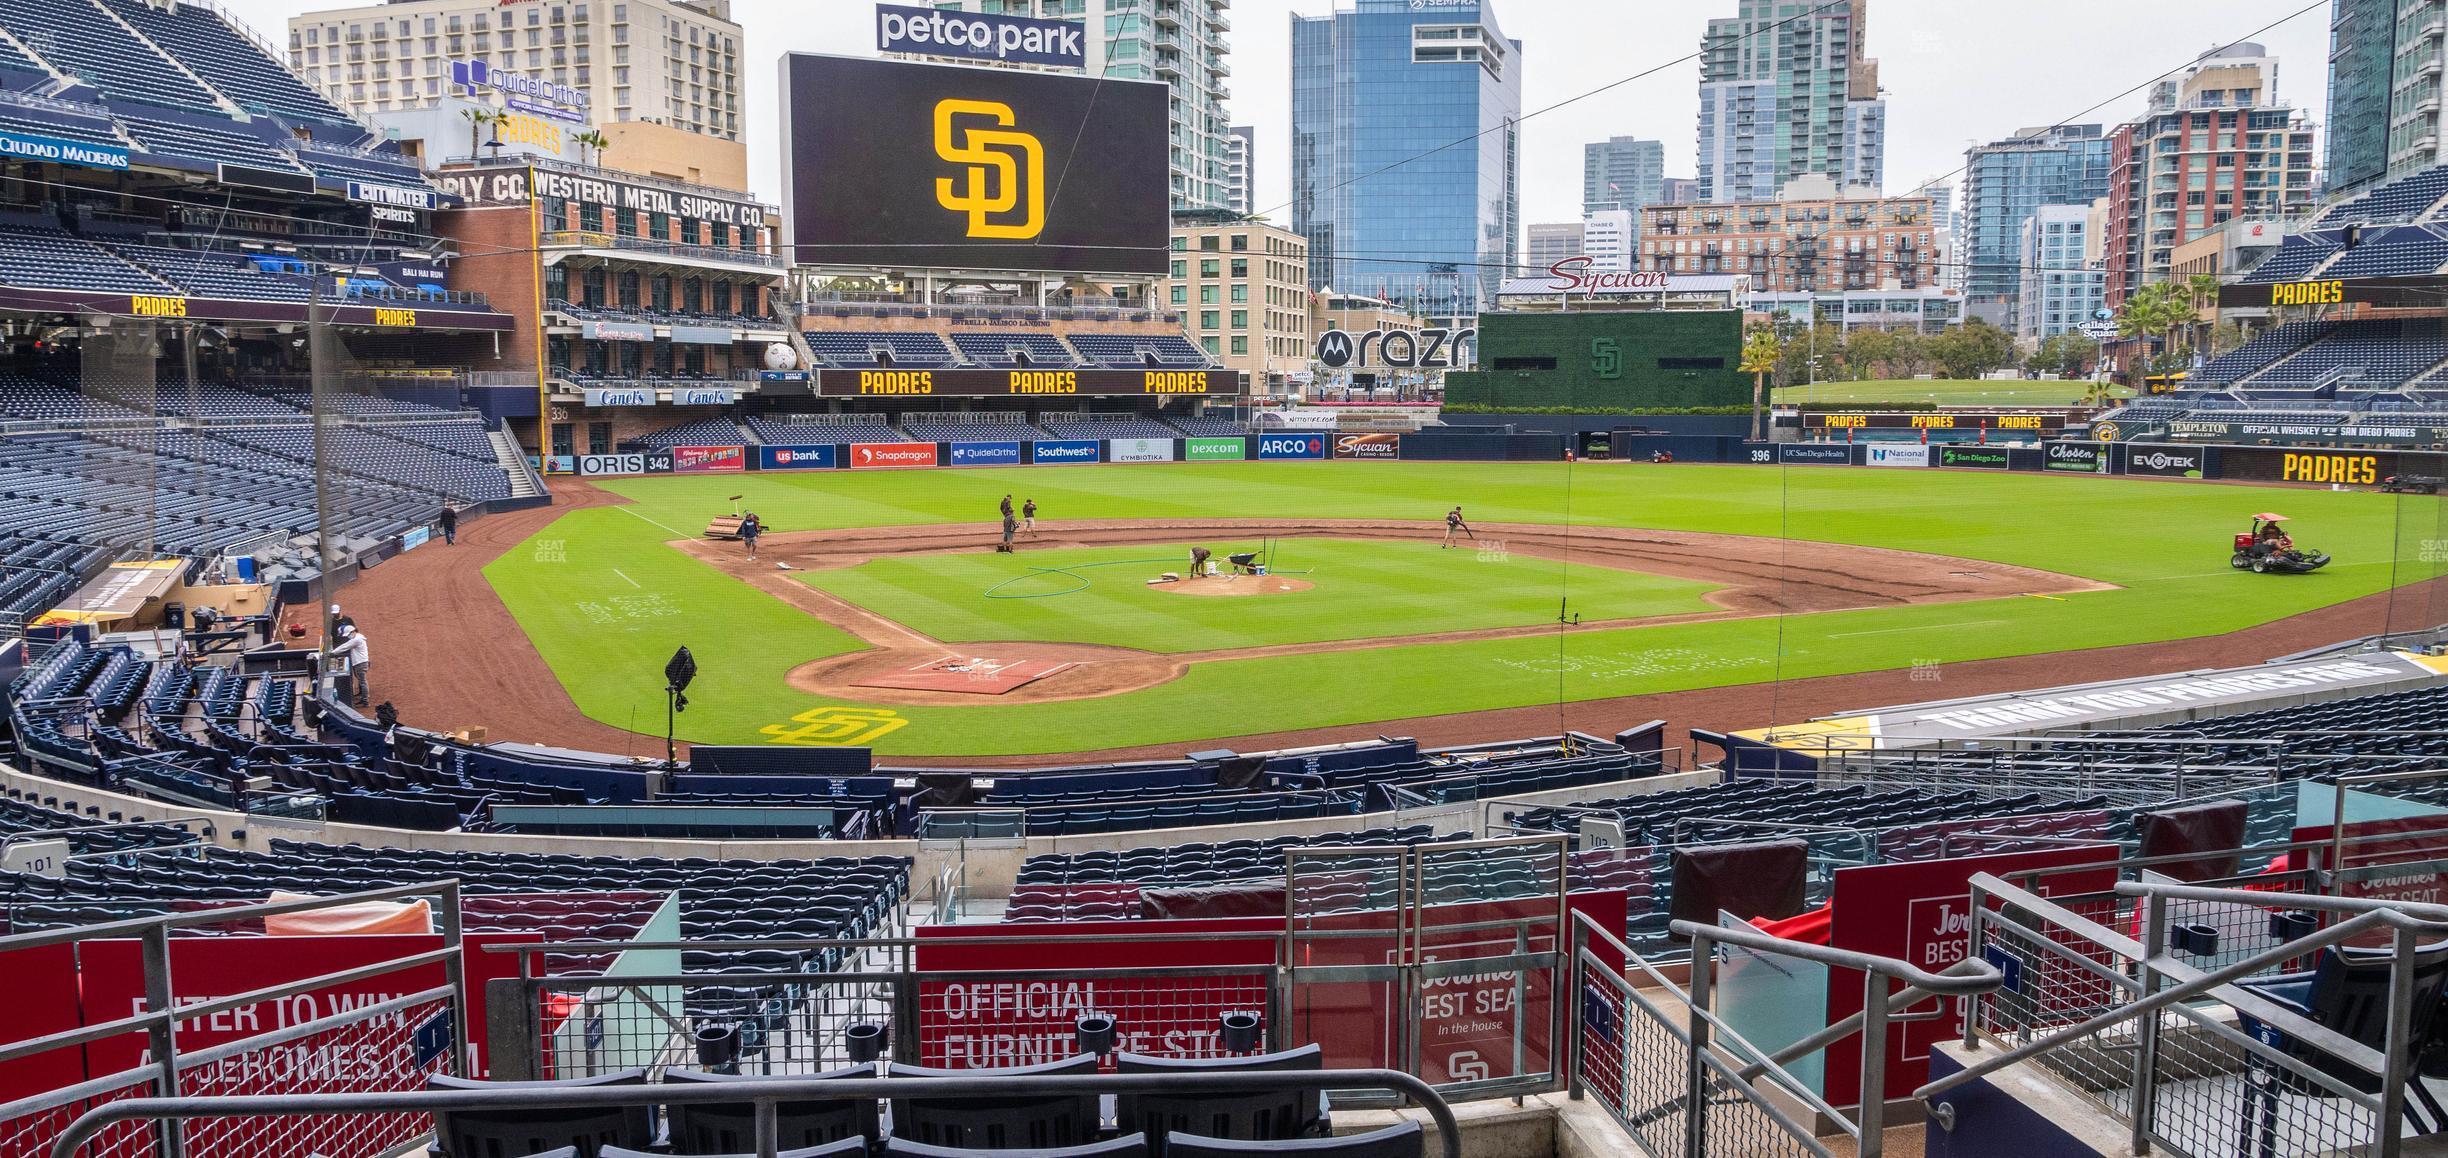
(974, 675)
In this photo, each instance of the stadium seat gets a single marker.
(998, 1123)
(1259, 1116)
(727, 1127)
(1403, 1141)
(1126, 1146)
(509, 1133)
(846, 1148)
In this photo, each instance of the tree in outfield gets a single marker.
(2201, 293)
(2067, 353)
(1761, 349)
(1866, 351)
(2153, 313)
(1911, 355)
(1821, 344)
(1972, 349)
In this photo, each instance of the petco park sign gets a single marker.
(1009, 39)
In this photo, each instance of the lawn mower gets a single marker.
(2266, 548)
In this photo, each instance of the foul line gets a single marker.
(632, 582)
(657, 522)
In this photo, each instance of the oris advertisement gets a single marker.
(796, 458)
(2165, 461)
(984, 454)
(1813, 454)
(2076, 457)
(1292, 445)
(884, 454)
(1066, 451)
(1976, 457)
(899, 164)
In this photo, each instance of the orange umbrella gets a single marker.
(2267, 517)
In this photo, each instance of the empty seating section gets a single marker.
(1209, 427)
(951, 428)
(2239, 363)
(225, 141)
(866, 348)
(1139, 350)
(806, 430)
(702, 432)
(2376, 354)
(199, 38)
(82, 40)
(1105, 885)
(1104, 426)
(46, 122)
(43, 259)
(389, 169)
(2295, 259)
(36, 572)
(2400, 200)
(2406, 251)
(992, 348)
(213, 274)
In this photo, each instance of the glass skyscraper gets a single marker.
(2004, 183)
(1406, 151)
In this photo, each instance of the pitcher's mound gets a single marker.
(1236, 585)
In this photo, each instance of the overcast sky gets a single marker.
(1956, 71)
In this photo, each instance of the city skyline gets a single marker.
(1947, 83)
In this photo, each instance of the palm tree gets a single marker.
(2202, 289)
(2155, 311)
(477, 119)
(1760, 352)
(595, 143)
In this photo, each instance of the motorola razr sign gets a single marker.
(974, 36)
(1429, 349)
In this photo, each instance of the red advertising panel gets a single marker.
(1921, 912)
(709, 459)
(2415, 844)
(882, 454)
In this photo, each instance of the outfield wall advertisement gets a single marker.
(891, 454)
(797, 457)
(982, 454)
(709, 459)
(1974, 457)
(1383, 447)
(2075, 457)
(1215, 449)
(1906, 454)
(2166, 461)
(1291, 446)
(1139, 450)
(1066, 451)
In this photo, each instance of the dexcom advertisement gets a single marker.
(901, 164)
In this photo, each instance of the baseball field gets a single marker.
(1585, 582)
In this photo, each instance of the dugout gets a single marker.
(1605, 359)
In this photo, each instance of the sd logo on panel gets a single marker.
(1003, 169)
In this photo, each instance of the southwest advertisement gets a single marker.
(709, 459)
(1066, 451)
(901, 164)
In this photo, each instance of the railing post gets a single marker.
(1695, 1068)
(905, 1018)
(2146, 1031)
(454, 973)
(2398, 1049)
(1970, 1009)
(1871, 1117)
(768, 1130)
(162, 1035)
(1576, 1019)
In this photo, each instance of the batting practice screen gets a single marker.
(919, 165)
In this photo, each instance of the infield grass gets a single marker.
(1359, 590)
(2164, 544)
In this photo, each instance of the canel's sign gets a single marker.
(1412, 349)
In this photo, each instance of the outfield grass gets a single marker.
(1359, 590)
(1943, 392)
(2164, 544)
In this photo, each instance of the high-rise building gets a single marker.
(1807, 244)
(1240, 176)
(1242, 289)
(1180, 42)
(669, 62)
(1622, 173)
(1785, 92)
(2386, 58)
(1391, 207)
(1946, 230)
(2215, 144)
(1679, 191)
(1551, 242)
(2004, 183)
(1611, 240)
(2060, 288)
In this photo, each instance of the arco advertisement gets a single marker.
(1292, 445)
(1066, 451)
(1214, 449)
(869, 455)
(1139, 450)
(796, 457)
(709, 459)
(1385, 447)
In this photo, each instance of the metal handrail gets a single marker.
(764, 1097)
(1946, 984)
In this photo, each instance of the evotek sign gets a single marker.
(901, 164)
(1009, 39)
(1422, 349)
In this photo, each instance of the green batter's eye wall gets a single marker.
(1600, 360)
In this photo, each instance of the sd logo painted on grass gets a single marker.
(835, 726)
